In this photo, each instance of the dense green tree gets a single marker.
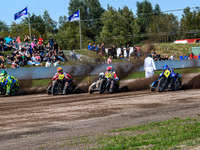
(163, 28)
(157, 10)
(50, 24)
(144, 13)
(190, 23)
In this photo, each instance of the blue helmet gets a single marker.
(165, 67)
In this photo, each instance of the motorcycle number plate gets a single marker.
(166, 73)
(108, 75)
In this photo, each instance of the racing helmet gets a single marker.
(59, 70)
(3, 73)
(109, 69)
(165, 67)
(101, 75)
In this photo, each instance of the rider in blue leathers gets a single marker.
(171, 76)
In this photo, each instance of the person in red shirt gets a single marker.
(40, 40)
(191, 56)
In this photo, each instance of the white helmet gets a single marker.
(101, 75)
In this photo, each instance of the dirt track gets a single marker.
(42, 121)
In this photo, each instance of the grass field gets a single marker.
(174, 133)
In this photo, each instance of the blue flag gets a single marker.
(21, 13)
(74, 17)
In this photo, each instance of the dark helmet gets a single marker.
(3, 73)
(165, 67)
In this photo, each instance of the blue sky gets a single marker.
(60, 7)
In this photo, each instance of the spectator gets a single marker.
(15, 43)
(8, 60)
(185, 57)
(48, 48)
(191, 56)
(127, 50)
(29, 60)
(103, 50)
(110, 49)
(199, 56)
(8, 39)
(97, 49)
(90, 47)
(121, 56)
(18, 40)
(114, 51)
(61, 55)
(109, 60)
(26, 38)
(10, 46)
(181, 57)
(134, 52)
(24, 59)
(172, 57)
(57, 63)
(53, 57)
(166, 58)
(93, 47)
(34, 60)
(40, 40)
(138, 52)
(1, 44)
(48, 63)
(56, 47)
(122, 50)
(15, 64)
(51, 42)
(72, 55)
(34, 39)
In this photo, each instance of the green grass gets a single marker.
(174, 133)
(171, 134)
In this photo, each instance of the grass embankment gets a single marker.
(170, 48)
(175, 133)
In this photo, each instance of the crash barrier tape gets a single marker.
(85, 70)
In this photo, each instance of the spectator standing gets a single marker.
(34, 39)
(51, 42)
(40, 40)
(149, 66)
(127, 50)
(110, 50)
(134, 52)
(26, 38)
(56, 47)
(122, 50)
(138, 52)
(109, 60)
(18, 40)
(103, 50)
(191, 56)
(114, 51)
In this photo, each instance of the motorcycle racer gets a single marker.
(169, 74)
(8, 81)
(111, 74)
(68, 78)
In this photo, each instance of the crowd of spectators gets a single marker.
(26, 53)
(112, 51)
(189, 56)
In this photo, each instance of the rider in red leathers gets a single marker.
(110, 74)
(68, 78)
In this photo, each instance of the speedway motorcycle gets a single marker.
(162, 83)
(14, 88)
(59, 85)
(100, 85)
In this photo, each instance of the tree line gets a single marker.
(111, 25)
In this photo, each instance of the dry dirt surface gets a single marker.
(42, 121)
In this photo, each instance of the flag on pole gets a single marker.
(74, 17)
(21, 13)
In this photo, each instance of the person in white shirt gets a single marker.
(149, 66)
(48, 63)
